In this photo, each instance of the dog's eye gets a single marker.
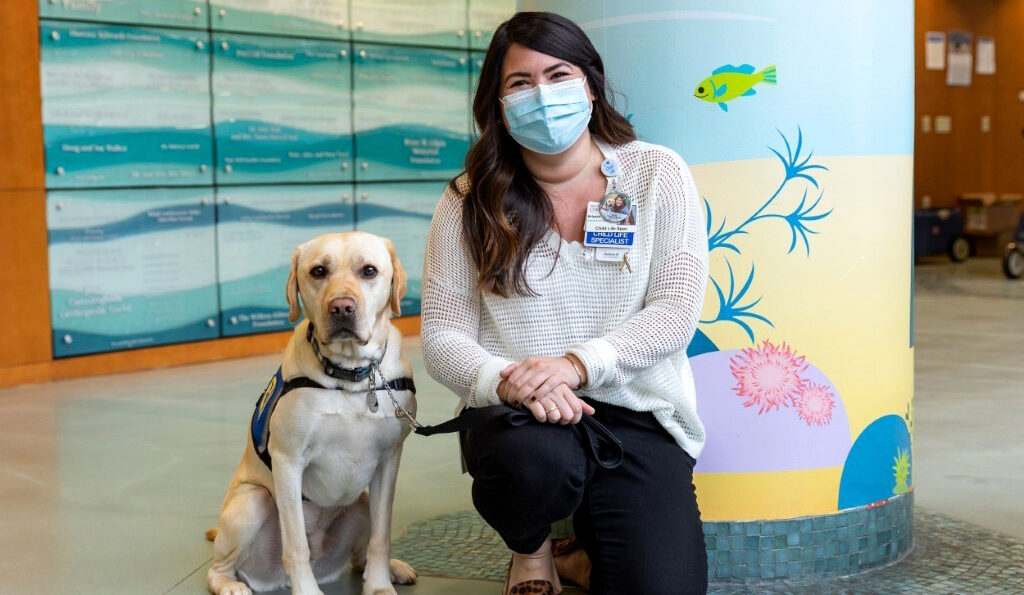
(318, 272)
(369, 271)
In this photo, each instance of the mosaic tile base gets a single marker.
(824, 546)
(948, 557)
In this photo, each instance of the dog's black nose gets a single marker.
(343, 307)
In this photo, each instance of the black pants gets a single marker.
(639, 522)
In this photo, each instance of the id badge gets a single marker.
(610, 226)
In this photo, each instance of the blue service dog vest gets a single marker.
(259, 426)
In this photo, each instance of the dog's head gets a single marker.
(347, 282)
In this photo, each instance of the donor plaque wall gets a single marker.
(258, 227)
(191, 145)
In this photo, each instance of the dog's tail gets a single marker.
(211, 534)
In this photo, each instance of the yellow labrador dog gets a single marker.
(314, 490)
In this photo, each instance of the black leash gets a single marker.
(605, 448)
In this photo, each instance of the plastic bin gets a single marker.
(940, 231)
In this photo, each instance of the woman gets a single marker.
(513, 312)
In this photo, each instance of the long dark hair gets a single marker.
(505, 212)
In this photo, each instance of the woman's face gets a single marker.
(619, 203)
(524, 68)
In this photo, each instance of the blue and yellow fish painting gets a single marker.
(730, 82)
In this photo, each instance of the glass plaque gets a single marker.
(410, 112)
(401, 212)
(125, 106)
(282, 109)
(131, 268)
(415, 22)
(258, 228)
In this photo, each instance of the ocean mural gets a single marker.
(729, 82)
(802, 341)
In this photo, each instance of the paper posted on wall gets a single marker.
(960, 59)
(986, 63)
(934, 50)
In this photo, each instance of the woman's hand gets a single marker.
(538, 376)
(560, 406)
(557, 405)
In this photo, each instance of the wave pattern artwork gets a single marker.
(175, 13)
(410, 107)
(125, 106)
(402, 213)
(258, 228)
(281, 110)
(314, 18)
(439, 23)
(131, 268)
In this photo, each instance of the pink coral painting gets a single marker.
(814, 404)
(809, 429)
(768, 377)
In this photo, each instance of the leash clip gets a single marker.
(399, 410)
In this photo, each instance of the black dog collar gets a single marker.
(335, 371)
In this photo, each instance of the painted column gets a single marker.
(796, 120)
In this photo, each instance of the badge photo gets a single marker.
(616, 207)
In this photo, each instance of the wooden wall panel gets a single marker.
(21, 131)
(24, 283)
(1008, 124)
(968, 159)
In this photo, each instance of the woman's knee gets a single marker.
(533, 454)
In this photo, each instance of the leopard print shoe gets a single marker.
(533, 586)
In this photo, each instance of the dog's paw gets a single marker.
(402, 573)
(235, 588)
(382, 590)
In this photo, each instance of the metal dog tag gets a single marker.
(371, 402)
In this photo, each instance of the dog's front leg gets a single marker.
(294, 545)
(377, 576)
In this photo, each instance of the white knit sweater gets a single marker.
(630, 329)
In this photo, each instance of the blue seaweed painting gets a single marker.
(734, 306)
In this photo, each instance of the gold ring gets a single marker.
(553, 407)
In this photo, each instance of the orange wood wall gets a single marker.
(25, 343)
(969, 160)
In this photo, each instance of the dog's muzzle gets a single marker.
(344, 314)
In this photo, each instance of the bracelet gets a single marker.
(579, 373)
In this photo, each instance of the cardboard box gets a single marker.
(986, 214)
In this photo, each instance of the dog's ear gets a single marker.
(398, 282)
(291, 289)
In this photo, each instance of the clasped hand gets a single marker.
(544, 385)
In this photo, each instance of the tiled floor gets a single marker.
(107, 484)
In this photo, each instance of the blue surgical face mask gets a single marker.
(548, 119)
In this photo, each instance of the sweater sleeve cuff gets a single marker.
(485, 389)
(598, 357)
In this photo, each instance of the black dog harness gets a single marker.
(259, 426)
(603, 446)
